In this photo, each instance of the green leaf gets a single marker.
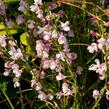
(9, 1)
(11, 29)
(23, 39)
(29, 50)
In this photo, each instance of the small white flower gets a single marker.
(2, 40)
(16, 84)
(42, 95)
(54, 34)
(31, 24)
(60, 76)
(62, 39)
(96, 94)
(93, 48)
(79, 70)
(94, 67)
(20, 19)
(6, 73)
(107, 95)
(34, 7)
(23, 6)
(52, 64)
(38, 2)
(65, 26)
(45, 64)
(38, 86)
(47, 35)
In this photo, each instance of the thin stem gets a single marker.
(12, 107)
(21, 97)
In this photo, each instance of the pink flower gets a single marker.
(20, 19)
(93, 33)
(23, 6)
(34, 7)
(31, 24)
(72, 56)
(94, 67)
(66, 90)
(47, 35)
(38, 86)
(71, 33)
(61, 55)
(38, 2)
(45, 64)
(15, 54)
(39, 47)
(93, 48)
(65, 26)
(62, 39)
(9, 64)
(53, 64)
(54, 34)
(96, 94)
(12, 43)
(42, 74)
(107, 95)
(42, 95)
(79, 70)
(3, 40)
(6, 73)
(2, 8)
(59, 95)
(60, 76)
(16, 82)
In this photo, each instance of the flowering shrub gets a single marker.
(55, 53)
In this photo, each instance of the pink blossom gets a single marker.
(11, 43)
(39, 47)
(62, 39)
(16, 82)
(45, 64)
(3, 8)
(23, 6)
(42, 95)
(3, 40)
(42, 74)
(61, 55)
(107, 95)
(71, 33)
(20, 19)
(34, 7)
(53, 64)
(101, 43)
(9, 64)
(93, 33)
(38, 2)
(66, 90)
(60, 76)
(6, 73)
(72, 56)
(15, 54)
(59, 95)
(38, 86)
(93, 48)
(94, 67)
(54, 34)
(50, 97)
(65, 26)
(31, 24)
(79, 70)
(96, 93)
(47, 35)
